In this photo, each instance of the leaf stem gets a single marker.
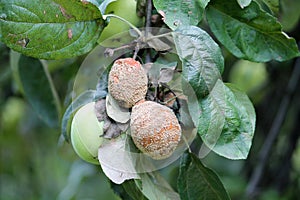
(186, 143)
(124, 20)
(158, 36)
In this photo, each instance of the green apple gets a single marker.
(12, 113)
(249, 76)
(86, 132)
(122, 8)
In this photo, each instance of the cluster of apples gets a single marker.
(154, 128)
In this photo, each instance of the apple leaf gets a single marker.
(177, 12)
(227, 122)
(39, 89)
(202, 60)
(116, 161)
(290, 14)
(50, 29)
(195, 181)
(155, 187)
(116, 112)
(249, 33)
(128, 190)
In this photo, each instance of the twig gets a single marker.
(110, 51)
(148, 16)
(148, 25)
(282, 179)
(274, 131)
(124, 20)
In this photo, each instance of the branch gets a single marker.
(148, 25)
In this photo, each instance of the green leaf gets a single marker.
(198, 182)
(14, 65)
(128, 190)
(131, 188)
(227, 121)
(250, 33)
(290, 14)
(202, 60)
(272, 5)
(244, 3)
(177, 12)
(155, 187)
(82, 99)
(39, 90)
(50, 30)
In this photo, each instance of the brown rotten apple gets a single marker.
(155, 129)
(127, 82)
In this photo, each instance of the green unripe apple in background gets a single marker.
(250, 77)
(122, 8)
(86, 133)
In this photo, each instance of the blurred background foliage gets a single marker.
(37, 164)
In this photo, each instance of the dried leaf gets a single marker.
(118, 167)
(116, 112)
(166, 75)
(111, 128)
(157, 43)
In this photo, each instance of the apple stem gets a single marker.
(124, 20)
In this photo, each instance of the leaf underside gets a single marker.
(38, 90)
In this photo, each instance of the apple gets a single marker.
(125, 9)
(86, 132)
(249, 76)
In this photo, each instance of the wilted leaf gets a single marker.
(111, 128)
(116, 161)
(198, 182)
(202, 60)
(166, 75)
(157, 43)
(160, 73)
(102, 85)
(116, 112)
(39, 90)
(50, 29)
(250, 33)
(227, 122)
